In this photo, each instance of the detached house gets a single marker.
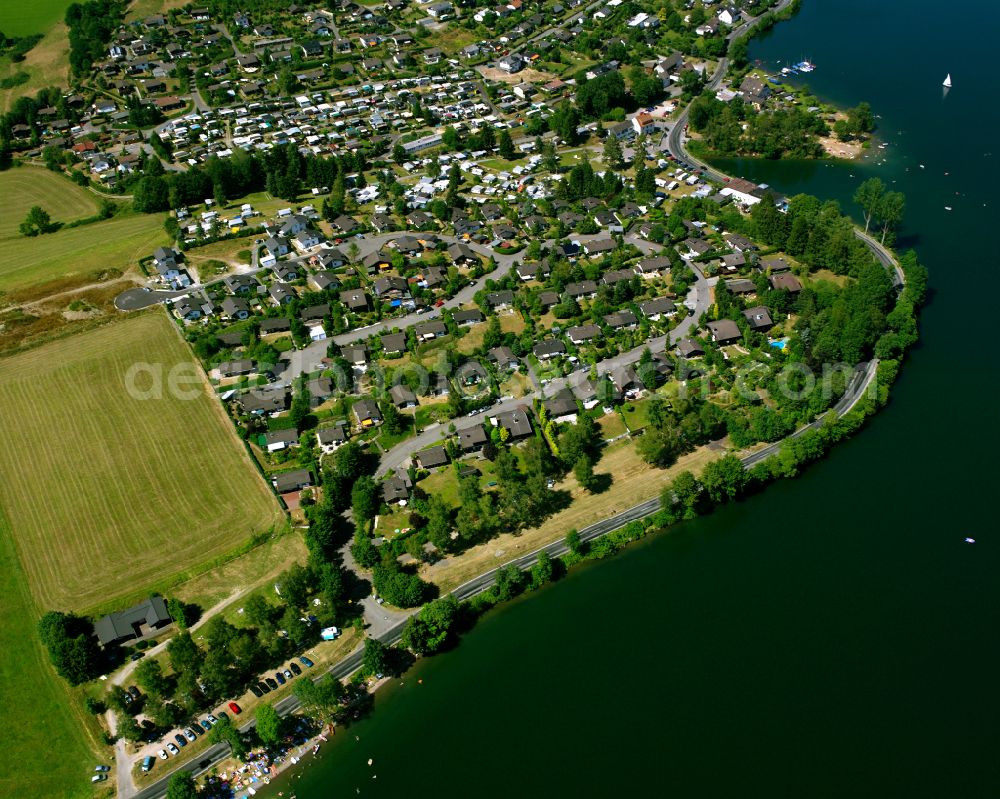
(581, 334)
(515, 422)
(135, 622)
(500, 299)
(393, 344)
(277, 440)
(502, 358)
(724, 331)
(367, 413)
(431, 457)
(660, 307)
(759, 318)
(355, 300)
(562, 407)
(235, 308)
(330, 438)
(546, 350)
(472, 439)
(689, 348)
(281, 293)
(402, 396)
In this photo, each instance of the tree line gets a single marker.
(91, 26)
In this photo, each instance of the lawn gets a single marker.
(512, 323)
(42, 706)
(443, 483)
(831, 277)
(228, 251)
(124, 494)
(390, 524)
(22, 188)
(61, 260)
(636, 414)
(473, 338)
(612, 425)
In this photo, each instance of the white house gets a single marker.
(729, 15)
(643, 122)
(742, 191)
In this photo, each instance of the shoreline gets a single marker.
(643, 511)
(285, 764)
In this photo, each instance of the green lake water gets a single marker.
(831, 637)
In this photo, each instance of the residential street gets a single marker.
(297, 362)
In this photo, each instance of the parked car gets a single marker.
(271, 683)
(134, 692)
(138, 656)
(102, 768)
(173, 749)
(263, 687)
(189, 734)
(306, 661)
(162, 754)
(148, 762)
(256, 691)
(205, 724)
(181, 740)
(279, 677)
(99, 778)
(296, 670)
(235, 708)
(288, 674)
(212, 719)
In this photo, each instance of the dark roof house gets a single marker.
(128, 624)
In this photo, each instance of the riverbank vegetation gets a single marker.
(735, 128)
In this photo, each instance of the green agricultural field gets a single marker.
(52, 755)
(77, 255)
(22, 188)
(108, 494)
(22, 19)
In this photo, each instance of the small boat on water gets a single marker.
(947, 81)
(970, 540)
(947, 208)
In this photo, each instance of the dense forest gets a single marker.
(734, 128)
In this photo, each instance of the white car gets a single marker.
(162, 754)
(172, 748)
(212, 719)
(99, 778)
(189, 735)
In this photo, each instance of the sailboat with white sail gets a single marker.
(947, 81)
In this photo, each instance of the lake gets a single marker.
(830, 637)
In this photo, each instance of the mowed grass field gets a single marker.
(34, 267)
(44, 742)
(21, 19)
(108, 495)
(27, 186)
